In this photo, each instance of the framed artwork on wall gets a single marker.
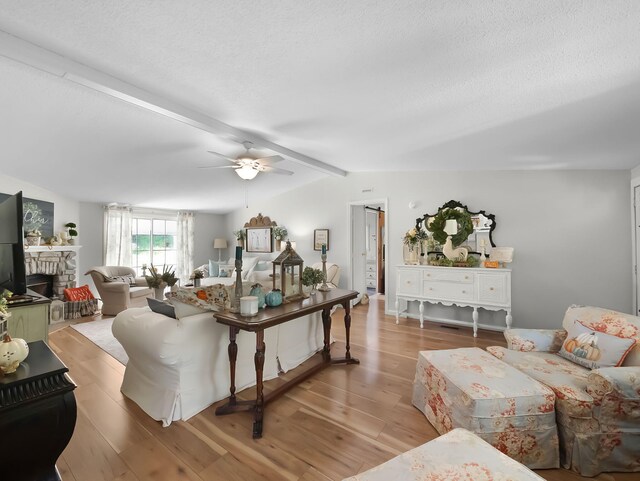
(320, 236)
(259, 239)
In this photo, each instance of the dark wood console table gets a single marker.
(37, 416)
(272, 316)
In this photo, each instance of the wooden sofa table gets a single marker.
(272, 316)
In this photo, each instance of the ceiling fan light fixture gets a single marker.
(246, 172)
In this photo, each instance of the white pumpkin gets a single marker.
(587, 338)
(12, 353)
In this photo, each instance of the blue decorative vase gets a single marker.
(274, 298)
(256, 290)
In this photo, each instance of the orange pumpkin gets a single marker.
(570, 345)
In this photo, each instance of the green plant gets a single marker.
(239, 234)
(197, 274)
(72, 229)
(463, 220)
(312, 277)
(154, 279)
(280, 232)
(169, 275)
(414, 236)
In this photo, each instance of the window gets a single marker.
(153, 241)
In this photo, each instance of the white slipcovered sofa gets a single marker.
(178, 367)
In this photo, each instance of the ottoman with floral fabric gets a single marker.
(469, 388)
(458, 455)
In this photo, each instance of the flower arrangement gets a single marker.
(239, 234)
(280, 232)
(312, 277)
(157, 279)
(197, 274)
(414, 236)
(4, 311)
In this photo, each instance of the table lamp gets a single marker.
(220, 244)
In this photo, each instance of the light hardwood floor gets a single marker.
(342, 421)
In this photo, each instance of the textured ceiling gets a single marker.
(362, 85)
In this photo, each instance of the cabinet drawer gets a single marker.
(371, 267)
(448, 276)
(492, 288)
(372, 283)
(409, 282)
(448, 290)
(370, 275)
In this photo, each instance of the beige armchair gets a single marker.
(116, 295)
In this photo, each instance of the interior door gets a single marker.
(381, 252)
(358, 249)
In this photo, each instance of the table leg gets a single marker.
(475, 321)
(347, 359)
(397, 310)
(232, 405)
(421, 314)
(259, 362)
(326, 325)
(509, 319)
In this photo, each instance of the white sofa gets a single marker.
(177, 368)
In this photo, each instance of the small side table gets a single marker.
(37, 416)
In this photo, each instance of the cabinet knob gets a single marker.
(491, 289)
(464, 292)
(428, 275)
(431, 288)
(466, 277)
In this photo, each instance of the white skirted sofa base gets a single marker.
(177, 368)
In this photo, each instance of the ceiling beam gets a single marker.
(27, 53)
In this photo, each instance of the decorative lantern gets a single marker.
(287, 262)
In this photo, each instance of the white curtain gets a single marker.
(117, 235)
(184, 239)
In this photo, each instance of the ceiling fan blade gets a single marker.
(275, 170)
(270, 160)
(218, 167)
(222, 156)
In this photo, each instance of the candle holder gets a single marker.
(324, 287)
(235, 305)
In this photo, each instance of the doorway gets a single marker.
(636, 248)
(368, 260)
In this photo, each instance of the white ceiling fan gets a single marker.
(247, 166)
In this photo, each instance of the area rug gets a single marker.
(99, 332)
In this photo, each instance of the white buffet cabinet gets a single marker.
(460, 286)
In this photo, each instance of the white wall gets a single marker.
(91, 254)
(207, 228)
(570, 230)
(64, 209)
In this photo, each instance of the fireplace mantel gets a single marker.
(73, 248)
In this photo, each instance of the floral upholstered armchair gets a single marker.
(598, 411)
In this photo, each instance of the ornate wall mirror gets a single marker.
(483, 226)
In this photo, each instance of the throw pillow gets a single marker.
(127, 279)
(183, 310)
(214, 268)
(248, 264)
(226, 271)
(593, 349)
(212, 298)
(81, 293)
(263, 266)
(161, 307)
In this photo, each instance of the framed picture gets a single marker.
(320, 236)
(259, 239)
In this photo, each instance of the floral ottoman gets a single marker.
(469, 388)
(457, 455)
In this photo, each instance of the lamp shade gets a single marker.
(247, 172)
(451, 226)
(220, 243)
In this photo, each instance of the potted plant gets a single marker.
(239, 235)
(156, 282)
(71, 231)
(196, 276)
(169, 275)
(312, 277)
(280, 233)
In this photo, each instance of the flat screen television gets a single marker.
(12, 266)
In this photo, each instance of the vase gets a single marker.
(410, 254)
(278, 245)
(159, 293)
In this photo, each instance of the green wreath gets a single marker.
(436, 226)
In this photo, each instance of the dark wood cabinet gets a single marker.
(37, 416)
